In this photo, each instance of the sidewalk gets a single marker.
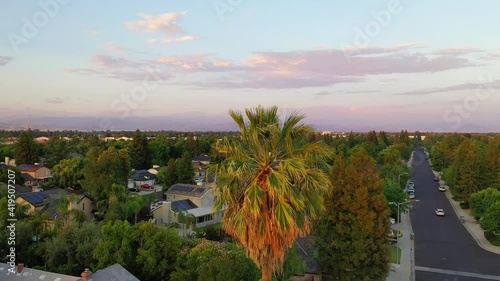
(470, 223)
(404, 271)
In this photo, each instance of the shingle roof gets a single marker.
(27, 177)
(201, 157)
(28, 167)
(114, 272)
(30, 274)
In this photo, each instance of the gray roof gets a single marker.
(115, 272)
(29, 274)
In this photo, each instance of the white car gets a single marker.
(440, 212)
(411, 195)
(442, 188)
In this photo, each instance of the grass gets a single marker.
(395, 254)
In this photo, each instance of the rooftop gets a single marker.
(187, 190)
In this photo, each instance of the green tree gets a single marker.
(102, 170)
(160, 151)
(482, 200)
(466, 171)
(214, 261)
(184, 169)
(352, 231)
(147, 251)
(394, 193)
(492, 163)
(271, 184)
(69, 173)
(167, 175)
(71, 249)
(140, 153)
(26, 149)
(491, 219)
(4, 176)
(57, 149)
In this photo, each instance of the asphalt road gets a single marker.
(443, 242)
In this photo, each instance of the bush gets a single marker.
(464, 205)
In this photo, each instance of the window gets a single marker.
(83, 206)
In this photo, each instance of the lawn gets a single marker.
(395, 256)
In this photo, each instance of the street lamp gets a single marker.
(397, 238)
(399, 178)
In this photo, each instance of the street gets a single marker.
(444, 249)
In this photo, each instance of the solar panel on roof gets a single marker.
(182, 188)
(35, 198)
(183, 205)
(199, 190)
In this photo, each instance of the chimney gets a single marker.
(37, 164)
(7, 160)
(20, 267)
(87, 275)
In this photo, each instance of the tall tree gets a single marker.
(102, 171)
(57, 148)
(352, 230)
(492, 163)
(271, 184)
(184, 170)
(26, 149)
(139, 154)
(69, 172)
(466, 170)
(160, 151)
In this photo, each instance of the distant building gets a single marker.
(42, 139)
(35, 174)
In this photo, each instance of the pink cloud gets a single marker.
(132, 75)
(111, 62)
(455, 51)
(167, 24)
(173, 40)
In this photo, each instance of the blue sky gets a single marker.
(384, 65)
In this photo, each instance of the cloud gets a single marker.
(117, 49)
(131, 75)
(167, 23)
(298, 69)
(173, 40)
(5, 60)
(489, 85)
(111, 62)
(455, 51)
(56, 100)
(323, 93)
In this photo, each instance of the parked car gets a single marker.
(410, 189)
(411, 195)
(436, 178)
(147, 186)
(440, 212)
(442, 188)
(133, 189)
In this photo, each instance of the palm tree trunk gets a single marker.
(266, 272)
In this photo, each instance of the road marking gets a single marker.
(460, 273)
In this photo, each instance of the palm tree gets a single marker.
(271, 183)
(186, 219)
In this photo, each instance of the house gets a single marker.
(203, 158)
(38, 174)
(23, 273)
(193, 199)
(305, 249)
(200, 169)
(41, 201)
(42, 139)
(143, 177)
(10, 162)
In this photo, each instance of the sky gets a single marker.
(182, 65)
